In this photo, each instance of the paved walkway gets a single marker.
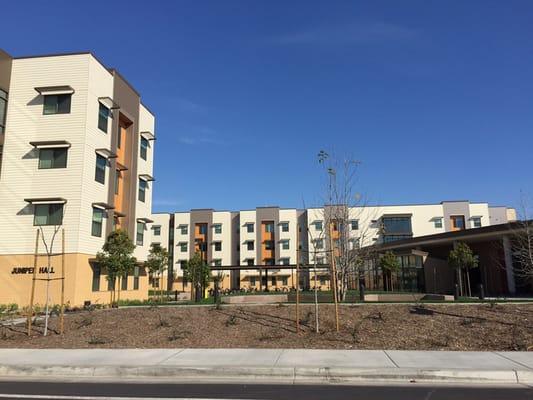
(278, 364)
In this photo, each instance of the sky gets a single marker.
(434, 98)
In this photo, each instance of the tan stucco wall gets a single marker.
(16, 288)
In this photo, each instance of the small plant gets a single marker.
(467, 322)
(85, 321)
(96, 340)
(232, 320)
(177, 335)
(163, 323)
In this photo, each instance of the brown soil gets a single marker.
(394, 326)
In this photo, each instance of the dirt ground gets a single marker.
(383, 326)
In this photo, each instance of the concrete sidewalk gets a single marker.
(272, 365)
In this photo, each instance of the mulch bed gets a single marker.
(383, 326)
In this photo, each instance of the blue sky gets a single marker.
(435, 98)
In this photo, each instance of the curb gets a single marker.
(331, 375)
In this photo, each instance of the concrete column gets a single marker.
(507, 252)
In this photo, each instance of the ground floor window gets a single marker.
(125, 282)
(252, 281)
(285, 281)
(136, 271)
(96, 278)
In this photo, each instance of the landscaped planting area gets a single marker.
(382, 326)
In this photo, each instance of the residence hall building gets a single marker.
(77, 152)
(267, 239)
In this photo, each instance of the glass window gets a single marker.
(269, 227)
(285, 244)
(140, 233)
(269, 245)
(119, 137)
(438, 222)
(124, 282)
(218, 246)
(250, 262)
(285, 281)
(252, 278)
(183, 247)
(3, 110)
(392, 238)
(101, 163)
(118, 175)
(319, 243)
(354, 224)
(144, 148)
(57, 104)
(458, 222)
(184, 229)
(217, 263)
(202, 228)
(103, 115)
(397, 225)
(157, 230)
(284, 227)
(98, 218)
(142, 189)
(96, 278)
(250, 228)
(250, 245)
(476, 222)
(318, 225)
(269, 261)
(284, 261)
(53, 158)
(136, 272)
(218, 228)
(48, 214)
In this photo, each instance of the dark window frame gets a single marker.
(103, 117)
(99, 172)
(99, 225)
(143, 187)
(61, 105)
(58, 206)
(144, 144)
(139, 234)
(54, 158)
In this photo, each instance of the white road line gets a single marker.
(59, 397)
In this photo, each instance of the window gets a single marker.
(111, 284)
(101, 163)
(57, 104)
(458, 222)
(250, 262)
(322, 280)
(438, 222)
(218, 246)
(202, 246)
(285, 244)
(157, 230)
(250, 228)
(183, 247)
(98, 218)
(144, 148)
(3, 110)
(103, 114)
(250, 245)
(270, 261)
(218, 228)
(476, 222)
(119, 137)
(217, 262)
(354, 224)
(184, 229)
(48, 214)
(269, 227)
(96, 278)
(53, 158)
(285, 281)
(136, 271)
(202, 229)
(269, 245)
(392, 238)
(252, 280)
(320, 260)
(117, 181)
(319, 243)
(284, 226)
(142, 190)
(124, 282)
(318, 225)
(284, 261)
(140, 233)
(397, 225)
(274, 281)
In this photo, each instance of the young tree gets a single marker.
(342, 207)
(389, 263)
(117, 258)
(522, 242)
(157, 264)
(198, 273)
(462, 257)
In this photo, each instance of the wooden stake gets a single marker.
(32, 295)
(62, 317)
(334, 280)
(297, 279)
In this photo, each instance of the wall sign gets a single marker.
(29, 270)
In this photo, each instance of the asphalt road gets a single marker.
(77, 390)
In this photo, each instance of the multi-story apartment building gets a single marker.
(77, 153)
(267, 239)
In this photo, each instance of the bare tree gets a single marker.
(48, 246)
(347, 239)
(522, 241)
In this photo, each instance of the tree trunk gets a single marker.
(460, 281)
(468, 282)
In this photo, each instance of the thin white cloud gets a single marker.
(197, 140)
(356, 33)
(189, 106)
(167, 202)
